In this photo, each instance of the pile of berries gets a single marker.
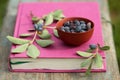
(76, 26)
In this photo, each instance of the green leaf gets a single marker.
(45, 34)
(57, 18)
(89, 68)
(61, 16)
(105, 48)
(84, 54)
(44, 43)
(26, 34)
(55, 32)
(20, 48)
(35, 18)
(98, 60)
(57, 13)
(49, 19)
(17, 40)
(40, 21)
(19, 62)
(86, 62)
(33, 51)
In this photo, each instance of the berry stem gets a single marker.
(96, 52)
(31, 42)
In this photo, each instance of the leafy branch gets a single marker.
(91, 57)
(40, 25)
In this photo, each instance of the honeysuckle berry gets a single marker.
(92, 46)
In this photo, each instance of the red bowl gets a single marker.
(74, 38)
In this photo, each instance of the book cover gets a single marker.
(61, 57)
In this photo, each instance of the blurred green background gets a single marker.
(3, 6)
(114, 6)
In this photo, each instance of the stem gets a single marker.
(49, 27)
(31, 42)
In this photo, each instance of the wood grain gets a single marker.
(8, 27)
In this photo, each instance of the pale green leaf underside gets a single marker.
(57, 12)
(20, 48)
(44, 43)
(26, 34)
(86, 62)
(84, 54)
(49, 19)
(33, 51)
(40, 21)
(98, 60)
(17, 40)
(55, 33)
(58, 15)
(45, 34)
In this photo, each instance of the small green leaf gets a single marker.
(33, 51)
(40, 21)
(49, 19)
(57, 13)
(89, 68)
(57, 18)
(26, 34)
(20, 48)
(20, 62)
(45, 34)
(86, 62)
(105, 48)
(84, 54)
(44, 43)
(35, 18)
(17, 40)
(61, 16)
(55, 32)
(98, 60)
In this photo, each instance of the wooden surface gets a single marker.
(8, 27)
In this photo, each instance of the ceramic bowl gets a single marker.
(75, 39)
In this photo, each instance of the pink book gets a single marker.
(57, 57)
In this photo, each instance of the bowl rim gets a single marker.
(58, 28)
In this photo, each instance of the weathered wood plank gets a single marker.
(8, 27)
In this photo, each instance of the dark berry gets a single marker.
(40, 29)
(36, 26)
(82, 22)
(76, 22)
(66, 23)
(78, 28)
(72, 31)
(82, 31)
(92, 46)
(83, 26)
(62, 28)
(67, 29)
(40, 25)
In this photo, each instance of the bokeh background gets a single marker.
(114, 7)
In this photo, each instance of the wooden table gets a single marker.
(8, 27)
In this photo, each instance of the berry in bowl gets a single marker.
(75, 30)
